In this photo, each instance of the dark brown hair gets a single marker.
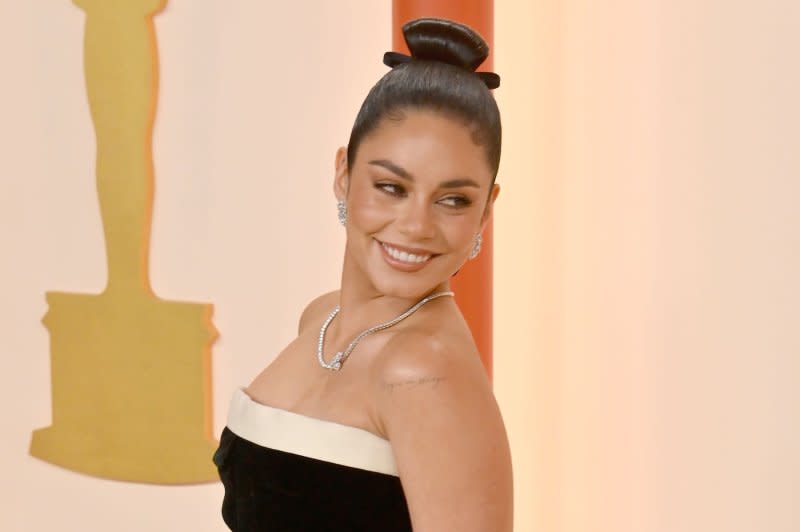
(439, 76)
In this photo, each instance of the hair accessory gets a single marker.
(392, 59)
(477, 247)
(341, 356)
(445, 41)
(342, 206)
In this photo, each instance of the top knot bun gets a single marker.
(446, 41)
(435, 39)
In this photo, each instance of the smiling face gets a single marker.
(417, 195)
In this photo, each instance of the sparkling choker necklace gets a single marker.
(341, 356)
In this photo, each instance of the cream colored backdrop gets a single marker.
(646, 241)
(252, 106)
(647, 351)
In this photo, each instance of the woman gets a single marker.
(379, 416)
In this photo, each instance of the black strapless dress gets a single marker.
(285, 472)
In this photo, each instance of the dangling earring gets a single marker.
(342, 206)
(477, 247)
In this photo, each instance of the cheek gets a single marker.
(459, 232)
(367, 209)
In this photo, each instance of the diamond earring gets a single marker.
(342, 206)
(477, 247)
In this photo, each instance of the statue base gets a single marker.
(131, 388)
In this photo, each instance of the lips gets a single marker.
(406, 259)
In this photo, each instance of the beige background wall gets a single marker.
(250, 113)
(646, 242)
(647, 256)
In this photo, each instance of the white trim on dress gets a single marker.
(290, 432)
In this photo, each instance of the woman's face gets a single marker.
(416, 198)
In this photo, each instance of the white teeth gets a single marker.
(405, 257)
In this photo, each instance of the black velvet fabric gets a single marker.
(276, 491)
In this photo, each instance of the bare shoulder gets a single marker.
(420, 356)
(435, 405)
(317, 306)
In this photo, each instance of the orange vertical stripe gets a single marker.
(473, 284)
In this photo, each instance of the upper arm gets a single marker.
(449, 441)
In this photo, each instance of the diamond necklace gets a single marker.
(341, 356)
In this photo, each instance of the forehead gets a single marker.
(429, 145)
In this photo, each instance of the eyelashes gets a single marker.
(391, 189)
(398, 191)
(455, 201)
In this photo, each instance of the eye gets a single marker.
(455, 201)
(393, 189)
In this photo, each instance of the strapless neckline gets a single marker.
(330, 441)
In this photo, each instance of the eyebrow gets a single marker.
(403, 173)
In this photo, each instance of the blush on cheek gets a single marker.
(370, 214)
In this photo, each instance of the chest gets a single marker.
(295, 381)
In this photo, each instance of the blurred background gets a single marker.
(646, 241)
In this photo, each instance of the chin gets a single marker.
(408, 291)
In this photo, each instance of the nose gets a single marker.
(415, 220)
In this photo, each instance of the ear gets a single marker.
(487, 212)
(342, 174)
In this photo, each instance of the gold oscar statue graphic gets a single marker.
(131, 375)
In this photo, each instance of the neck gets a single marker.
(363, 305)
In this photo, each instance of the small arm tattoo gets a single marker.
(413, 382)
